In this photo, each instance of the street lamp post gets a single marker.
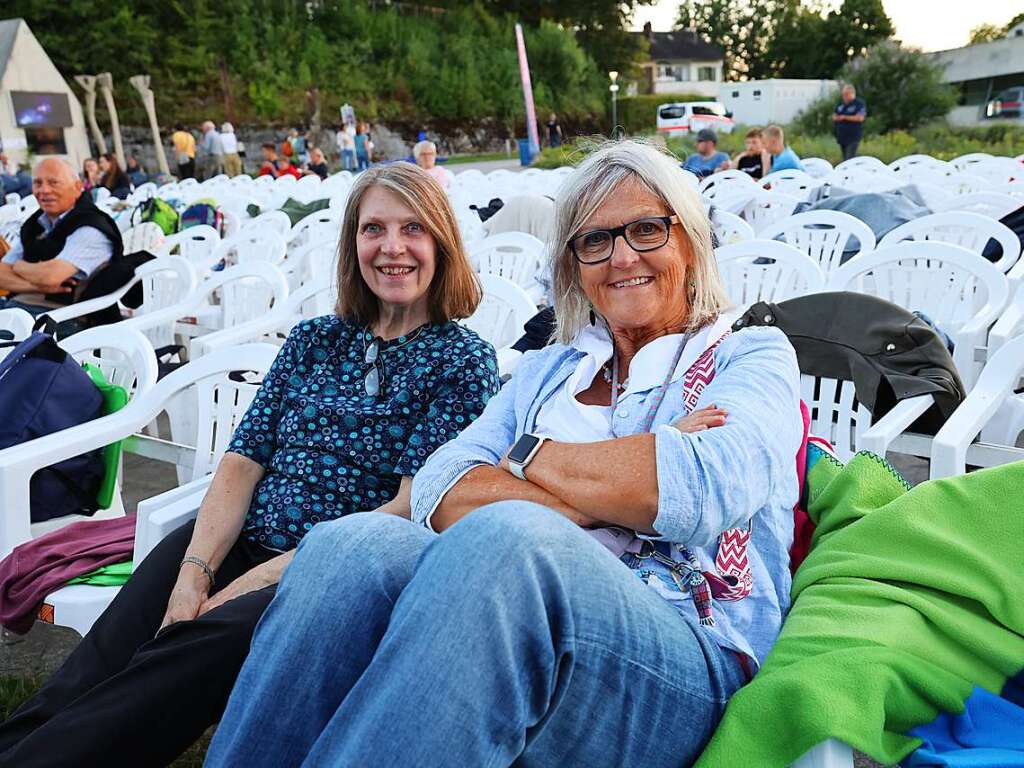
(614, 88)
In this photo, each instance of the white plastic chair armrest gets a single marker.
(949, 446)
(880, 435)
(508, 360)
(252, 331)
(829, 754)
(158, 516)
(92, 305)
(1009, 324)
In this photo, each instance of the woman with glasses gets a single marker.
(612, 564)
(350, 410)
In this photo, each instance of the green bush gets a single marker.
(639, 114)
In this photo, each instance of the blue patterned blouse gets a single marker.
(330, 449)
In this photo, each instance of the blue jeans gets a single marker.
(514, 637)
(348, 159)
(362, 161)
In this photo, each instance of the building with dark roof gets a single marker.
(681, 62)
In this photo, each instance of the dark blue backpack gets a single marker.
(43, 390)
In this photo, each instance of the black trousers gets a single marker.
(127, 698)
(850, 150)
(187, 170)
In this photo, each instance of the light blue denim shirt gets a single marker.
(708, 481)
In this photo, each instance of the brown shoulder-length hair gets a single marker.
(454, 293)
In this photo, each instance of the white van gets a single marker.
(688, 117)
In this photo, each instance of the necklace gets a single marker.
(411, 337)
(606, 374)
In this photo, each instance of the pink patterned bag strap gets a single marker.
(732, 580)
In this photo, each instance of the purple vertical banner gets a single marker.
(524, 73)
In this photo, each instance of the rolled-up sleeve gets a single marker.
(483, 442)
(718, 479)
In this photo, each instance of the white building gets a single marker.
(982, 71)
(760, 102)
(681, 62)
(39, 114)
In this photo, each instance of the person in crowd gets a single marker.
(184, 151)
(136, 173)
(90, 174)
(345, 139)
(346, 416)
(317, 164)
(229, 144)
(754, 159)
(364, 149)
(849, 121)
(582, 599)
(707, 159)
(283, 167)
(554, 131)
(212, 159)
(64, 244)
(300, 150)
(783, 157)
(268, 166)
(113, 177)
(425, 155)
(287, 150)
(12, 180)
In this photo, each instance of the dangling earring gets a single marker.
(593, 317)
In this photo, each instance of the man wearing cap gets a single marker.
(707, 159)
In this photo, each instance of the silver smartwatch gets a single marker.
(522, 453)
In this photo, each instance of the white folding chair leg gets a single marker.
(828, 754)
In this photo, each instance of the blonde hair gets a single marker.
(587, 189)
(775, 132)
(454, 292)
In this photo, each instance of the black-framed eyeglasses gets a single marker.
(374, 377)
(646, 234)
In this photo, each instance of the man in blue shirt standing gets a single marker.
(707, 159)
(783, 158)
(849, 121)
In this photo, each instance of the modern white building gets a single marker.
(760, 102)
(39, 113)
(981, 72)
(681, 62)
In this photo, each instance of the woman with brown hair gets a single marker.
(351, 408)
(113, 178)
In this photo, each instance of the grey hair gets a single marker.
(227, 128)
(422, 145)
(64, 164)
(587, 189)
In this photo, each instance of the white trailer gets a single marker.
(760, 102)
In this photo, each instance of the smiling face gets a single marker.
(638, 292)
(56, 187)
(397, 254)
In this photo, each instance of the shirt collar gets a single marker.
(49, 225)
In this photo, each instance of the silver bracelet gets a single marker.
(201, 563)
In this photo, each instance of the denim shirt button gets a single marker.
(622, 414)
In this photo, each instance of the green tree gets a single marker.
(984, 33)
(901, 86)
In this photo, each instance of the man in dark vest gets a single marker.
(65, 243)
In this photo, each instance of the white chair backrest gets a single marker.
(909, 163)
(725, 183)
(17, 323)
(143, 237)
(512, 255)
(730, 228)
(314, 261)
(319, 225)
(29, 205)
(502, 312)
(964, 228)
(825, 236)
(276, 221)
(817, 167)
(123, 354)
(247, 291)
(252, 244)
(766, 208)
(165, 281)
(766, 270)
(995, 205)
(964, 162)
(836, 414)
(196, 245)
(790, 182)
(865, 163)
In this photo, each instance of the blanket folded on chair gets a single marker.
(908, 607)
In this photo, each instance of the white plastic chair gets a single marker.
(501, 315)
(730, 228)
(825, 236)
(319, 225)
(767, 208)
(252, 244)
(962, 294)
(995, 205)
(788, 273)
(222, 402)
(276, 221)
(790, 182)
(196, 245)
(865, 163)
(817, 167)
(965, 162)
(964, 228)
(16, 322)
(143, 237)
(127, 359)
(515, 256)
(726, 183)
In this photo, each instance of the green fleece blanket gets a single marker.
(907, 600)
